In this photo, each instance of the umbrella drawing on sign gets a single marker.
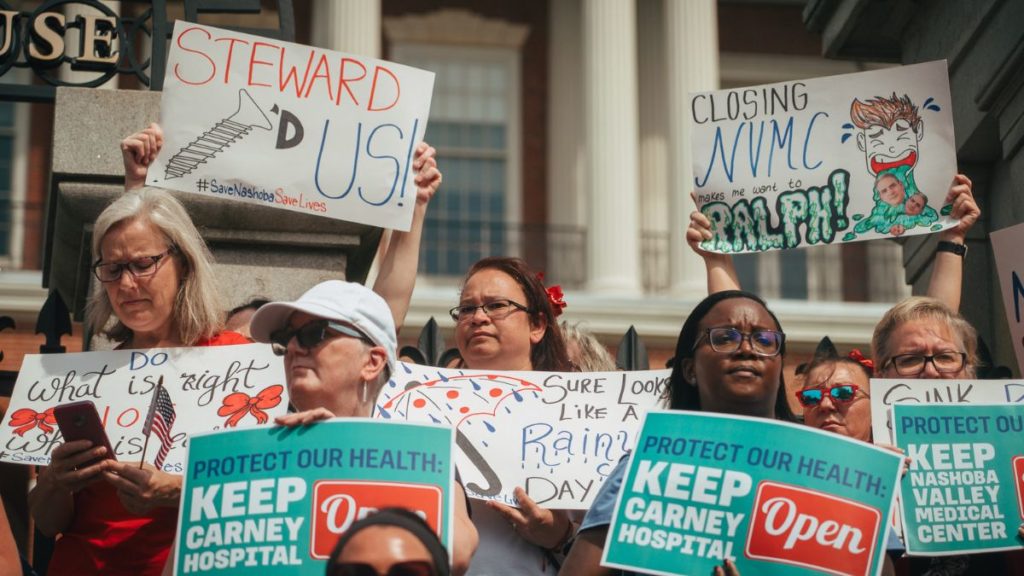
(455, 400)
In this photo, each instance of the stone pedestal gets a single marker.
(259, 251)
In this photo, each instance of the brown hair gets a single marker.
(884, 112)
(549, 354)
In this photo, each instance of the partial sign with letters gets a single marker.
(296, 127)
(825, 160)
(1006, 245)
(556, 434)
(885, 393)
(275, 500)
(210, 387)
(774, 497)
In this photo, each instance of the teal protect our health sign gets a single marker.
(776, 498)
(276, 500)
(964, 492)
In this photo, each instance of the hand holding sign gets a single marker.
(139, 151)
(542, 526)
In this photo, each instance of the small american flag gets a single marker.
(159, 421)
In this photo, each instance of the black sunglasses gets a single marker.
(310, 335)
(408, 568)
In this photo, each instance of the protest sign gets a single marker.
(963, 493)
(1006, 244)
(774, 497)
(280, 124)
(210, 387)
(887, 392)
(825, 160)
(556, 434)
(275, 500)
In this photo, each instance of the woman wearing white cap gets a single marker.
(339, 346)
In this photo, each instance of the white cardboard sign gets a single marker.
(291, 126)
(211, 388)
(825, 160)
(556, 434)
(1006, 244)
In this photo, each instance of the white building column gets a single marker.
(610, 97)
(691, 58)
(351, 26)
(654, 183)
(566, 153)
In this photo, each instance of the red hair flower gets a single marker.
(856, 356)
(555, 296)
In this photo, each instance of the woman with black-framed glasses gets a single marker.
(728, 359)
(154, 287)
(922, 338)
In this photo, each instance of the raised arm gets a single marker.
(397, 275)
(721, 272)
(948, 270)
(138, 151)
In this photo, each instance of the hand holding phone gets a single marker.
(81, 421)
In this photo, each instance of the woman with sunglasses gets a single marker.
(836, 393)
(339, 346)
(728, 360)
(154, 279)
(391, 542)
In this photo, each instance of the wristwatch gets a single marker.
(958, 249)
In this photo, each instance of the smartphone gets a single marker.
(81, 421)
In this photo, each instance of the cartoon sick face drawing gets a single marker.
(889, 132)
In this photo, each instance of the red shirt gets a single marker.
(105, 538)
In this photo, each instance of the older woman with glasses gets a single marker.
(154, 288)
(922, 338)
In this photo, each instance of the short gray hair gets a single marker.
(197, 309)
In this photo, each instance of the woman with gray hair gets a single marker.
(921, 337)
(155, 288)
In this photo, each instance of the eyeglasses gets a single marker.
(727, 340)
(407, 568)
(841, 393)
(913, 364)
(495, 310)
(139, 267)
(311, 335)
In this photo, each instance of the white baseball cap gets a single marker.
(339, 301)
